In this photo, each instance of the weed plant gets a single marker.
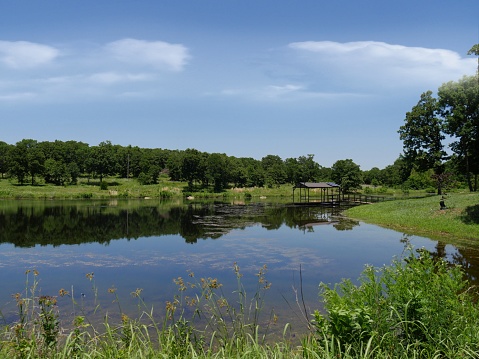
(417, 307)
(199, 321)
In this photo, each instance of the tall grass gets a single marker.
(417, 307)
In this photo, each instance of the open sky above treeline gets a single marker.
(246, 78)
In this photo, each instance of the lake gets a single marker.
(145, 244)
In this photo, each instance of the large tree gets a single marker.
(26, 160)
(308, 168)
(4, 154)
(102, 161)
(422, 137)
(193, 166)
(347, 174)
(459, 106)
(274, 169)
(219, 170)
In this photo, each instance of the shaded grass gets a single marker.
(131, 188)
(85, 189)
(458, 223)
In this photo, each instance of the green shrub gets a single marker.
(382, 190)
(166, 194)
(368, 190)
(420, 304)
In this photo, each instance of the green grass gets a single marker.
(90, 189)
(459, 223)
(123, 188)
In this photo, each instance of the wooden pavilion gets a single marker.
(323, 193)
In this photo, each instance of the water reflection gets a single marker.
(26, 224)
(54, 223)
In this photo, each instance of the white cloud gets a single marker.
(17, 96)
(109, 78)
(288, 92)
(157, 54)
(23, 54)
(366, 63)
(92, 71)
(284, 89)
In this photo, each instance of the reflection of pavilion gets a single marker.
(308, 217)
(310, 223)
(323, 193)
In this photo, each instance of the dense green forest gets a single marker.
(63, 163)
(426, 163)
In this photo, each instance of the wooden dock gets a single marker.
(341, 199)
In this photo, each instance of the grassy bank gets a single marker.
(458, 223)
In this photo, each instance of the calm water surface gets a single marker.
(145, 244)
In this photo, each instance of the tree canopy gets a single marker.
(454, 116)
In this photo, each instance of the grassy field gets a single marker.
(458, 223)
(130, 188)
(112, 187)
(123, 188)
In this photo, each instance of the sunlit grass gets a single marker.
(459, 222)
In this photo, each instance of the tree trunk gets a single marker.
(439, 189)
(468, 175)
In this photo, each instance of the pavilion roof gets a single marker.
(316, 185)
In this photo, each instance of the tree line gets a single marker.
(64, 162)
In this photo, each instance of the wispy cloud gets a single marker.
(286, 92)
(17, 96)
(99, 70)
(110, 77)
(332, 71)
(23, 54)
(157, 54)
(366, 63)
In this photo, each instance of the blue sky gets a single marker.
(246, 78)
